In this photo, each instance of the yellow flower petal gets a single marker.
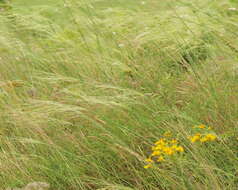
(202, 126)
(160, 159)
(149, 160)
(147, 166)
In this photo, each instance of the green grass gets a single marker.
(86, 88)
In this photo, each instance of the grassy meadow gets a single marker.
(88, 86)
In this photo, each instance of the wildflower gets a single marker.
(208, 137)
(156, 153)
(174, 147)
(149, 160)
(195, 138)
(204, 139)
(202, 126)
(174, 141)
(167, 134)
(158, 147)
(160, 159)
(177, 148)
(211, 137)
(168, 151)
(148, 166)
(180, 149)
(161, 142)
(163, 149)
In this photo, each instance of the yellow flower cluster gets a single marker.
(162, 149)
(198, 137)
(202, 137)
(202, 126)
(167, 147)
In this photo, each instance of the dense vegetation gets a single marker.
(87, 87)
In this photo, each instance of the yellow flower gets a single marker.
(158, 147)
(149, 160)
(177, 148)
(161, 142)
(160, 159)
(180, 149)
(167, 134)
(208, 137)
(204, 139)
(168, 151)
(211, 137)
(202, 126)
(156, 153)
(148, 166)
(174, 141)
(195, 138)
(174, 147)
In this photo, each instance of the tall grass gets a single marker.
(86, 87)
